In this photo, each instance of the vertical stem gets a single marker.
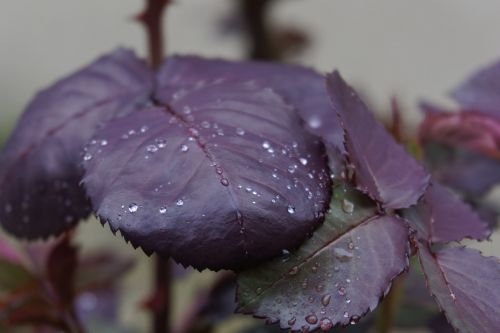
(161, 310)
(389, 307)
(152, 20)
(254, 14)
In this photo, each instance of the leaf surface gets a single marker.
(223, 176)
(465, 285)
(383, 169)
(442, 217)
(40, 164)
(335, 277)
(481, 91)
(300, 86)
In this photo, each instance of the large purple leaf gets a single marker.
(442, 217)
(302, 87)
(465, 285)
(40, 164)
(335, 277)
(481, 91)
(383, 169)
(222, 177)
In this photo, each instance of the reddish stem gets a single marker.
(151, 19)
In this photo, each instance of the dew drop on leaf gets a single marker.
(133, 208)
(291, 321)
(184, 148)
(224, 181)
(152, 148)
(325, 300)
(347, 206)
(312, 319)
(303, 161)
(266, 145)
(87, 157)
(104, 143)
(314, 122)
(180, 202)
(291, 209)
(240, 131)
(326, 324)
(342, 254)
(162, 210)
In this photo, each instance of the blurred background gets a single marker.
(407, 49)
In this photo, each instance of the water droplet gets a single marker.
(310, 299)
(326, 324)
(184, 148)
(303, 161)
(292, 321)
(314, 122)
(347, 206)
(186, 110)
(162, 210)
(144, 129)
(348, 301)
(270, 150)
(87, 157)
(275, 175)
(453, 296)
(291, 209)
(133, 207)
(258, 290)
(292, 168)
(346, 315)
(285, 255)
(240, 131)
(266, 145)
(224, 181)
(205, 124)
(152, 148)
(342, 254)
(104, 143)
(162, 143)
(312, 319)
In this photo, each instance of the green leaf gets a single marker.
(337, 276)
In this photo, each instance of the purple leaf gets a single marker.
(302, 87)
(442, 217)
(465, 285)
(335, 277)
(471, 173)
(481, 91)
(40, 164)
(223, 177)
(383, 169)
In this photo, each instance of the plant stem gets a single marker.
(161, 310)
(254, 13)
(152, 20)
(389, 307)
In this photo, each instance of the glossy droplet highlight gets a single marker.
(184, 148)
(224, 181)
(342, 254)
(240, 131)
(180, 202)
(303, 161)
(325, 300)
(291, 209)
(133, 208)
(266, 145)
(325, 324)
(87, 157)
(162, 210)
(347, 206)
(152, 148)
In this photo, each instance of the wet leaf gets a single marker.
(383, 169)
(222, 177)
(442, 217)
(40, 164)
(335, 277)
(481, 91)
(465, 285)
(301, 87)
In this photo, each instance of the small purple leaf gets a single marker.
(383, 169)
(465, 285)
(481, 91)
(40, 169)
(335, 277)
(223, 177)
(442, 217)
(302, 87)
